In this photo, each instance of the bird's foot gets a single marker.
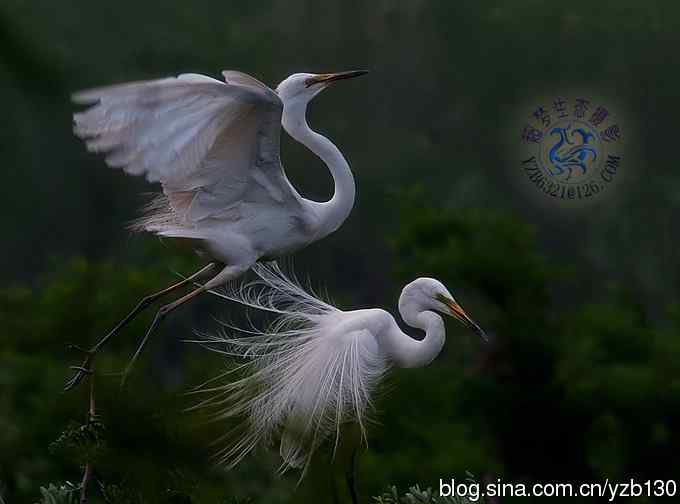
(85, 369)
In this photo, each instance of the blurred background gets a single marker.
(582, 380)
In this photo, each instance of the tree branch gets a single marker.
(91, 417)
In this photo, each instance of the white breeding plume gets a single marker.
(316, 367)
(214, 147)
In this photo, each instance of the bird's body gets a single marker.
(215, 148)
(317, 367)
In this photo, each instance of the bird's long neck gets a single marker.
(406, 351)
(334, 211)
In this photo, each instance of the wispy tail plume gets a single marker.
(301, 378)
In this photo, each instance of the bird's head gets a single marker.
(305, 86)
(431, 294)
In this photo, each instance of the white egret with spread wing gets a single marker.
(317, 367)
(214, 147)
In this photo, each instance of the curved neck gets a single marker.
(408, 352)
(334, 211)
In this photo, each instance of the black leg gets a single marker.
(332, 477)
(143, 304)
(351, 480)
(160, 315)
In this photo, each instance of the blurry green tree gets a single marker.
(575, 389)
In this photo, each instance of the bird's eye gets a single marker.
(310, 81)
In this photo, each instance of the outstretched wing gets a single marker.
(211, 144)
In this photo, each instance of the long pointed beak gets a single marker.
(458, 313)
(332, 77)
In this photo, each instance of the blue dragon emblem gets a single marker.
(576, 155)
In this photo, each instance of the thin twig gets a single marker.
(351, 481)
(86, 479)
(91, 417)
(93, 407)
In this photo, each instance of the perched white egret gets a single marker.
(214, 147)
(317, 366)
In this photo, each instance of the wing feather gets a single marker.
(209, 143)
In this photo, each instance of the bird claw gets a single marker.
(81, 369)
(85, 369)
(73, 382)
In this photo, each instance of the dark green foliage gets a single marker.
(59, 494)
(415, 495)
(581, 380)
(148, 440)
(589, 378)
(117, 494)
(593, 379)
(81, 442)
(596, 373)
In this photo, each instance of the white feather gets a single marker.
(215, 148)
(217, 140)
(316, 367)
(303, 377)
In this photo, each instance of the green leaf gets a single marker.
(62, 494)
